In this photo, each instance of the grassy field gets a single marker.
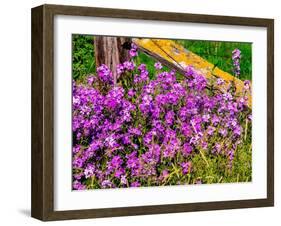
(218, 53)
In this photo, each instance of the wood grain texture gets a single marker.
(43, 107)
(109, 51)
(42, 113)
(270, 112)
(37, 114)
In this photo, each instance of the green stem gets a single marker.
(204, 158)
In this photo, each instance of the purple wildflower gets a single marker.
(236, 56)
(169, 118)
(158, 66)
(123, 180)
(78, 186)
(186, 167)
(134, 50)
(220, 81)
(135, 184)
(90, 80)
(104, 74)
(187, 149)
(247, 84)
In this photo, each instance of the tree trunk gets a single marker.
(109, 51)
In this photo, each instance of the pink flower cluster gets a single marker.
(146, 132)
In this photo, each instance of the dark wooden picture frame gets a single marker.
(42, 203)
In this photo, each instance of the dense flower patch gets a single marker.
(151, 132)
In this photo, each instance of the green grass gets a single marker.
(219, 53)
(217, 169)
(83, 60)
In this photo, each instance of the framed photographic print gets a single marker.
(140, 112)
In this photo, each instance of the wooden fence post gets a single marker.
(110, 51)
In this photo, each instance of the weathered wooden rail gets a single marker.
(177, 57)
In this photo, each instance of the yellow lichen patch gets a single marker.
(169, 52)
